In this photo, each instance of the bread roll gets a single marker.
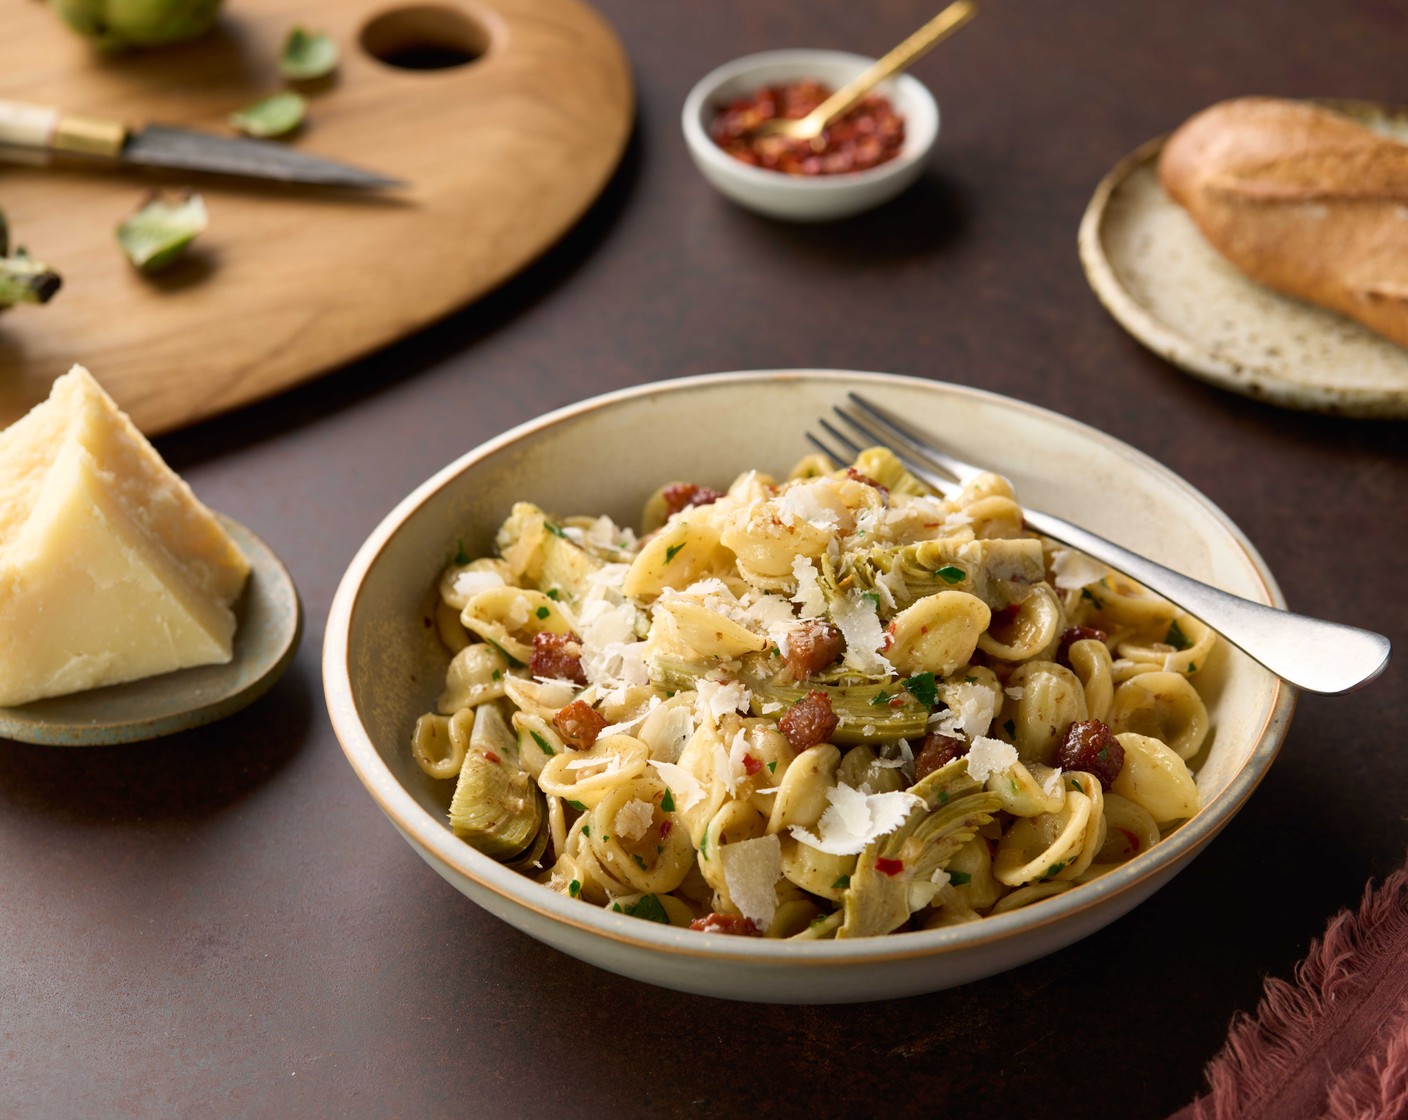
(1301, 199)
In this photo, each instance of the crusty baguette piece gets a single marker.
(1303, 200)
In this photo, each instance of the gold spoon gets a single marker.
(896, 61)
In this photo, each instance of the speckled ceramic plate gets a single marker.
(270, 622)
(383, 665)
(1163, 282)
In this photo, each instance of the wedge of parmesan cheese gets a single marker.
(110, 569)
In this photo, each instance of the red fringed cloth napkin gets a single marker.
(1335, 1043)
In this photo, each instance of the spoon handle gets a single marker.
(893, 62)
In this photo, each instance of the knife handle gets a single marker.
(45, 129)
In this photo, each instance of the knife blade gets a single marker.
(30, 131)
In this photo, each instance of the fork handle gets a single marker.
(1309, 653)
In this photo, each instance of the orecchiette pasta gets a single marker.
(834, 706)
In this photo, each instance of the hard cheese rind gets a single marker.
(110, 569)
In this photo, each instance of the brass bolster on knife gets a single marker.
(90, 136)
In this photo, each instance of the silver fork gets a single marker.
(1309, 653)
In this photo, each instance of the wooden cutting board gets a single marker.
(502, 153)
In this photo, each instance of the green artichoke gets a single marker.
(114, 24)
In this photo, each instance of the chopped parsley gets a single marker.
(1011, 728)
(639, 862)
(461, 556)
(873, 596)
(1192, 666)
(543, 612)
(921, 686)
(943, 797)
(842, 883)
(586, 829)
(950, 573)
(543, 744)
(574, 888)
(880, 698)
(959, 878)
(554, 594)
(704, 844)
(496, 675)
(1055, 869)
(1075, 785)
(554, 529)
(647, 907)
(1175, 637)
(672, 550)
(668, 804)
(578, 806)
(1086, 593)
(772, 767)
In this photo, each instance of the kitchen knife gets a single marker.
(35, 133)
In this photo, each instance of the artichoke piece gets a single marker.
(878, 899)
(497, 807)
(999, 572)
(23, 279)
(161, 229)
(276, 115)
(308, 55)
(864, 711)
(114, 24)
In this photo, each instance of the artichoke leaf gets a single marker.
(879, 897)
(1000, 571)
(497, 807)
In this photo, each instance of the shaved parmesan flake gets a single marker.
(608, 764)
(625, 727)
(809, 594)
(988, 757)
(682, 784)
(1016, 692)
(955, 523)
(610, 576)
(1052, 785)
(719, 698)
(634, 818)
(470, 584)
(971, 710)
(854, 615)
(805, 501)
(611, 656)
(751, 871)
(1071, 570)
(853, 819)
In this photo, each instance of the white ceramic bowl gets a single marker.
(382, 666)
(806, 198)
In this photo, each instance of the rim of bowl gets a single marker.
(434, 840)
(700, 96)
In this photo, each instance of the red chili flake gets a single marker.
(1129, 836)
(889, 866)
(665, 827)
(492, 757)
(751, 765)
(897, 701)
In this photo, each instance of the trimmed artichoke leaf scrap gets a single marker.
(308, 55)
(273, 116)
(161, 229)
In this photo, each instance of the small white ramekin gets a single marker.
(806, 198)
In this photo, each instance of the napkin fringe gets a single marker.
(1334, 1043)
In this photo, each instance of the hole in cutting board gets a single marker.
(425, 37)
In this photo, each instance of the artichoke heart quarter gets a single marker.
(497, 807)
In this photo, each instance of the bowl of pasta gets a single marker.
(651, 683)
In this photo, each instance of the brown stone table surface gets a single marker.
(224, 924)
